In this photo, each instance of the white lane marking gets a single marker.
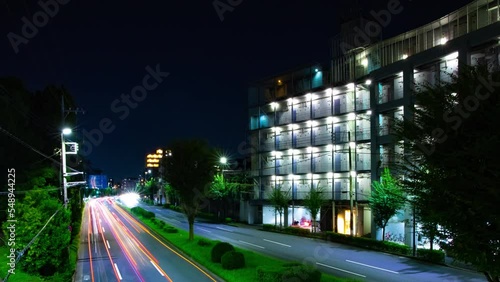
(102, 229)
(277, 243)
(156, 268)
(203, 229)
(158, 209)
(118, 271)
(109, 247)
(228, 230)
(339, 269)
(367, 265)
(251, 244)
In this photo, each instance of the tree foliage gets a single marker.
(452, 160)
(189, 170)
(386, 199)
(49, 252)
(313, 202)
(279, 200)
(221, 187)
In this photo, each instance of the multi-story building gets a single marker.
(330, 126)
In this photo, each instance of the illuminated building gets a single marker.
(331, 124)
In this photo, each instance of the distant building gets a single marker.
(129, 184)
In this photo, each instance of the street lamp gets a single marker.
(65, 131)
(223, 160)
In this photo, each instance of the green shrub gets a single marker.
(397, 248)
(301, 273)
(436, 256)
(233, 260)
(170, 229)
(219, 250)
(290, 264)
(269, 274)
(203, 242)
(297, 231)
(228, 220)
(269, 227)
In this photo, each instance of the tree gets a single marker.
(386, 199)
(313, 202)
(220, 189)
(32, 214)
(279, 200)
(190, 171)
(150, 188)
(451, 146)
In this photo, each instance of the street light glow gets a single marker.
(66, 131)
(223, 160)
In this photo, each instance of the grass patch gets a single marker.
(202, 255)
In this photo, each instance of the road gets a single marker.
(115, 247)
(336, 259)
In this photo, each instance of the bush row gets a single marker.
(436, 256)
(162, 225)
(142, 212)
(368, 243)
(288, 272)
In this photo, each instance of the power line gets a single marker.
(31, 147)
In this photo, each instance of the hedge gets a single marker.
(384, 246)
(436, 256)
(288, 272)
(144, 213)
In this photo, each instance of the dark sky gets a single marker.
(99, 50)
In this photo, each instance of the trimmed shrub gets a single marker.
(269, 274)
(290, 264)
(233, 260)
(297, 231)
(269, 227)
(170, 229)
(219, 250)
(436, 256)
(228, 220)
(203, 242)
(291, 271)
(301, 273)
(142, 212)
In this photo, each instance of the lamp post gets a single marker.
(65, 131)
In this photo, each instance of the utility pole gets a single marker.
(64, 173)
(351, 191)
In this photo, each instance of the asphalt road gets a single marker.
(339, 260)
(115, 247)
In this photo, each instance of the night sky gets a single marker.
(99, 50)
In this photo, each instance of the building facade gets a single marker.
(330, 126)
